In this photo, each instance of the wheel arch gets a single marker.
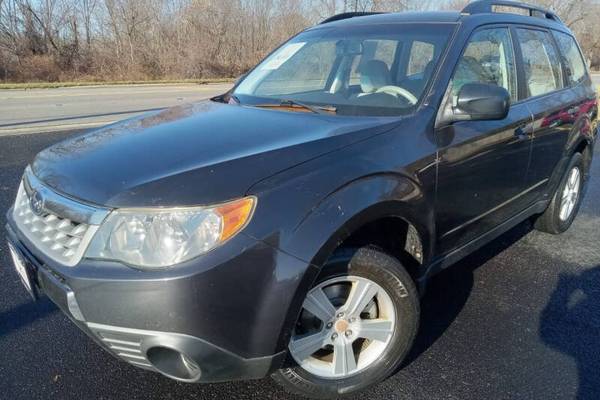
(582, 139)
(584, 147)
(347, 217)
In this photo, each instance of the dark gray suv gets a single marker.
(289, 226)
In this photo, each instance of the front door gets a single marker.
(482, 170)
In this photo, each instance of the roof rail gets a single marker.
(346, 15)
(487, 6)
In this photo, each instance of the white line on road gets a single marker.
(55, 128)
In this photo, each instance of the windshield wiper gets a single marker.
(296, 104)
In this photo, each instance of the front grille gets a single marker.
(59, 238)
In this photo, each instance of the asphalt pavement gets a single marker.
(518, 319)
(45, 110)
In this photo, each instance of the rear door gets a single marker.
(553, 106)
(482, 169)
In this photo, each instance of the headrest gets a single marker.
(374, 75)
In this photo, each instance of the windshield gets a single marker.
(362, 70)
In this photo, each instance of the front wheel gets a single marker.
(356, 326)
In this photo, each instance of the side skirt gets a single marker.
(458, 254)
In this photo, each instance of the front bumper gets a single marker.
(225, 313)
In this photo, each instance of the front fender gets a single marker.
(348, 208)
(308, 210)
(341, 213)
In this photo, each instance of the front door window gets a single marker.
(488, 58)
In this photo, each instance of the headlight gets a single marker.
(158, 237)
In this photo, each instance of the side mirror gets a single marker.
(481, 101)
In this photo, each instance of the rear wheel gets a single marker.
(357, 324)
(565, 204)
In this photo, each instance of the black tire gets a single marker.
(389, 274)
(550, 221)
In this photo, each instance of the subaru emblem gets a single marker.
(36, 201)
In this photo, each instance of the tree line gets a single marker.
(68, 40)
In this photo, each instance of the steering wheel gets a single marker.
(397, 90)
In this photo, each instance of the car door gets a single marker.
(554, 108)
(482, 165)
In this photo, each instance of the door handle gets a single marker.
(521, 133)
(573, 110)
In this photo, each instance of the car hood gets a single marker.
(195, 154)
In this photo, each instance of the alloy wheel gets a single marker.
(346, 325)
(570, 194)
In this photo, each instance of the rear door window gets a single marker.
(572, 59)
(543, 73)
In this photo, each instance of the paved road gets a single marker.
(43, 110)
(519, 319)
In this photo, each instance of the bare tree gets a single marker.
(153, 39)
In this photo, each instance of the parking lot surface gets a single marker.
(519, 319)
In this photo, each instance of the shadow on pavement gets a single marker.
(570, 324)
(448, 292)
(25, 314)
